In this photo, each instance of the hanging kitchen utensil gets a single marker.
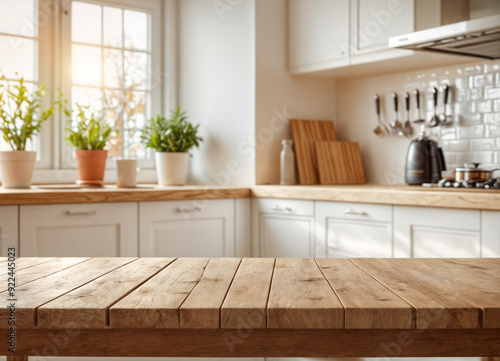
(434, 122)
(407, 129)
(380, 129)
(445, 119)
(396, 125)
(419, 119)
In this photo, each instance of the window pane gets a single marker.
(17, 55)
(86, 23)
(87, 97)
(114, 107)
(113, 27)
(135, 108)
(136, 30)
(136, 66)
(86, 65)
(113, 66)
(17, 17)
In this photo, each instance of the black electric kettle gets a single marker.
(424, 161)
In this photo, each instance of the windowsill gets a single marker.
(60, 176)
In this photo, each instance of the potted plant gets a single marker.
(171, 138)
(21, 118)
(89, 136)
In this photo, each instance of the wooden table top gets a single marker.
(260, 293)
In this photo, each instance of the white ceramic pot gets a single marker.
(16, 168)
(172, 168)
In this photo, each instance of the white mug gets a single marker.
(127, 173)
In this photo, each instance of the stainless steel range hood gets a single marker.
(478, 38)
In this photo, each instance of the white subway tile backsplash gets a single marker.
(475, 131)
(482, 144)
(474, 104)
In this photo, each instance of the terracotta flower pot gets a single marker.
(172, 168)
(16, 168)
(91, 166)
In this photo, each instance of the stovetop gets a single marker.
(489, 184)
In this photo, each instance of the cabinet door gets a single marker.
(377, 20)
(197, 228)
(353, 230)
(436, 232)
(490, 234)
(283, 228)
(318, 34)
(8, 229)
(79, 230)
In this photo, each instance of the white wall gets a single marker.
(216, 86)
(280, 96)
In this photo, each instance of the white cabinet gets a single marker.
(283, 228)
(436, 232)
(79, 230)
(345, 230)
(8, 228)
(318, 34)
(490, 234)
(194, 228)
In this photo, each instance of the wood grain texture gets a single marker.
(339, 163)
(304, 133)
(36, 271)
(32, 295)
(144, 193)
(479, 288)
(261, 343)
(87, 306)
(155, 304)
(379, 194)
(368, 304)
(246, 302)
(202, 307)
(436, 305)
(301, 297)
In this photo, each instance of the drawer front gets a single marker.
(355, 211)
(286, 206)
(188, 209)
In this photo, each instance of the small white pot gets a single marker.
(172, 168)
(16, 168)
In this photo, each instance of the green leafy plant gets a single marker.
(175, 134)
(21, 115)
(90, 131)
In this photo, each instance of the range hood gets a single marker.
(478, 38)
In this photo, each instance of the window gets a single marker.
(19, 45)
(102, 53)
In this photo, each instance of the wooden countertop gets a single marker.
(66, 193)
(377, 194)
(356, 298)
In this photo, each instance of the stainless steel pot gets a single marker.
(472, 172)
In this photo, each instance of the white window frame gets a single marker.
(153, 7)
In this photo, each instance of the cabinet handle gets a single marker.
(355, 212)
(188, 210)
(278, 208)
(80, 213)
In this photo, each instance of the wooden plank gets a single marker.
(304, 133)
(261, 343)
(479, 288)
(34, 272)
(301, 297)
(202, 307)
(486, 265)
(32, 295)
(339, 163)
(368, 304)
(155, 304)
(245, 305)
(436, 306)
(87, 306)
(24, 262)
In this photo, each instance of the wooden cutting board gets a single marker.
(339, 163)
(304, 134)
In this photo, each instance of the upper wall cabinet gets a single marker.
(350, 37)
